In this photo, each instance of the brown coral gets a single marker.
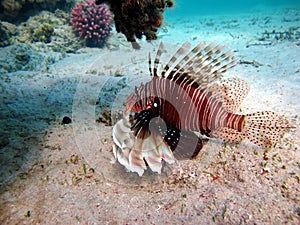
(135, 18)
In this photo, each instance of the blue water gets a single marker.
(201, 7)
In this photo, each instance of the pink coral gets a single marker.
(92, 22)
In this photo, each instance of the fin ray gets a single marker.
(265, 128)
(204, 63)
(136, 153)
(231, 92)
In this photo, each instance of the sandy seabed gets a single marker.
(54, 173)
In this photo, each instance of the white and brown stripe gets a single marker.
(184, 106)
(184, 96)
(179, 93)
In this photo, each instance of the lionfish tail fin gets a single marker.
(266, 128)
(136, 153)
(228, 135)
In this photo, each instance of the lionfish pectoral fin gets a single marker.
(121, 155)
(137, 153)
(189, 146)
(266, 128)
(167, 154)
(184, 144)
(136, 162)
(122, 134)
(129, 159)
(155, 150)
(124, 150)
(151, 153)
(231, 92)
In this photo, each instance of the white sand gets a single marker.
(47, 168)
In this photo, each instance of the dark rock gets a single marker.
(66, 120)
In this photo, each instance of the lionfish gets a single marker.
(187, 97)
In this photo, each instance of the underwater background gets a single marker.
(201, 7)
(60, 96)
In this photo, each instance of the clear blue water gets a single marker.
(201, 7)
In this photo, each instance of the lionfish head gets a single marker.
(130, 104)
(134, 101)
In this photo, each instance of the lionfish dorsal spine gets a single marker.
(204, 64)
(157, 59)
(169, 67)
(187, 61)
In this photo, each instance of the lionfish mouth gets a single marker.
(185, 97)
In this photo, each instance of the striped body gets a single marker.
(185, 107)
(185, 96)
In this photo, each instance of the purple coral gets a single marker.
(92, 22)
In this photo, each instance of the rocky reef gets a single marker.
(46, 24)
(38, 42)
(7, 31)
(44, 31)
(19, 10)
(43, 23)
